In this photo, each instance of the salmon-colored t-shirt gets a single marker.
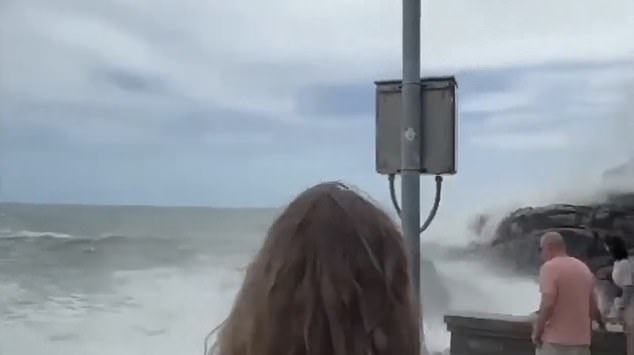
(572, 284)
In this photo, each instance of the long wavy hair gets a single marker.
(331, 278)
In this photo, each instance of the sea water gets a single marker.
(87, 280)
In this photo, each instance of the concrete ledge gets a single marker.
(499, 334)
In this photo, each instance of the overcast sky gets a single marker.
(244, 103)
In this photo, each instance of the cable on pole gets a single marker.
(434, 209)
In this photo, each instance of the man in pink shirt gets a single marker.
(568, 304)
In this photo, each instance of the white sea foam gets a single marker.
(170, 310)
(8, 233)
(159, 311)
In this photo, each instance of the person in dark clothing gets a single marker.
(622, 276)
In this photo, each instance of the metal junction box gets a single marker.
(437, 126)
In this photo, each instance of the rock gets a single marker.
(584, 227)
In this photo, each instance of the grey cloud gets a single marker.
(181, 126)
(177, 94)
(473, 81)
(340, 100)
(130, 81)
(569, 93)
(173, 106)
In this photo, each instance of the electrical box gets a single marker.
(437, 126)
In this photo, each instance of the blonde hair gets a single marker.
(331, 278)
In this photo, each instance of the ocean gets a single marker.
(103, 280)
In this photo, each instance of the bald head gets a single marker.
(552, 245)
(552, 238)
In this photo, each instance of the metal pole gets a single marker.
(410, 138)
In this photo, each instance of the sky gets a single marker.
(246, 103)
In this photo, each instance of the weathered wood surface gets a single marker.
(498, 334)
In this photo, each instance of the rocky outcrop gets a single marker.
(584, 227)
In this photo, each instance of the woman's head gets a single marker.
(617, 247)
(331, 278)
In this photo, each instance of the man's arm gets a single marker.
(546, 308)
(548, 290)
(595, 312)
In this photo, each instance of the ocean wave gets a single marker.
(55, 240)
(25, 234)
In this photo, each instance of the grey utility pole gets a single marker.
(415, 134)
(410, 137)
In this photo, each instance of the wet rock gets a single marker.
(584, 227)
